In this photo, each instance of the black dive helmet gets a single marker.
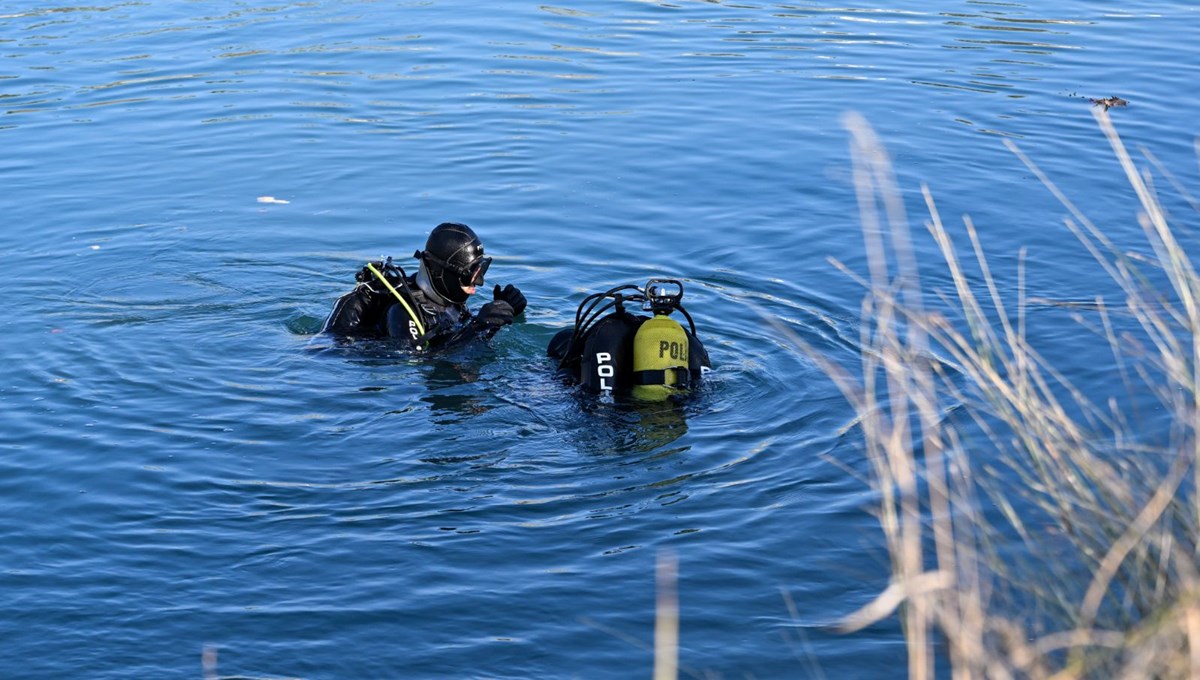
(453, 258)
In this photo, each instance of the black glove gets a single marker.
(495, 314)
(512, 296)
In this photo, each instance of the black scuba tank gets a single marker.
(607, 361)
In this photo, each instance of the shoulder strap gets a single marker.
(407, 307)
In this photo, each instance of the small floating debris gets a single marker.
(94, 246)
(1109, 102)
(271, 199)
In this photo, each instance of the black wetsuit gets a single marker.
(423, 321)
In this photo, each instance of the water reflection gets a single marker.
(449, 384)
(444, 380)
(631, 427)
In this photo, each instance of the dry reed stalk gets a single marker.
(1081, 465)
(666, 619)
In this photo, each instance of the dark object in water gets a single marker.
(613, 351)
(1109, 102)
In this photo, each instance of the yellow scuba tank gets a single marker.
(660, 358)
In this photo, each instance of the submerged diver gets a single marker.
(648, 358)
(428, 309)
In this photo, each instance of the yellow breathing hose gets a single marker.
(416, 319)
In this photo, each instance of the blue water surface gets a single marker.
(187, 187)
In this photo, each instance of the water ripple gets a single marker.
(185, 463)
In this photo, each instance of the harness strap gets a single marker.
(415, 317)
(659, 377)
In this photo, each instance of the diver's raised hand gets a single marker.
(496, 313)
(511, 295)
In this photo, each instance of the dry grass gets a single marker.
(960, 413)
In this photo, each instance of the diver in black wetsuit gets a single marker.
(427, 310)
